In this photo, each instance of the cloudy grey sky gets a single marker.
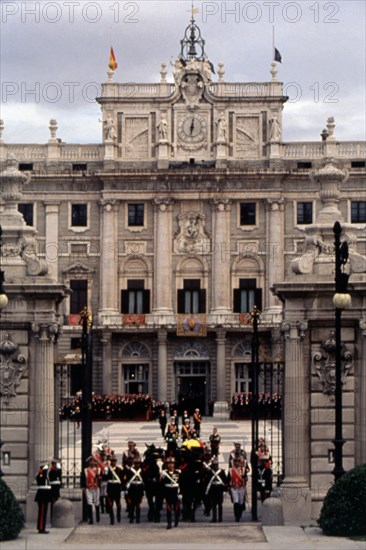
(54, 54)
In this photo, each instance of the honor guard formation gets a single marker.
(182, 478)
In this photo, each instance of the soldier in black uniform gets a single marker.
(265, 477)
(55, 478)
(43, 497)
(216, 487)
(113, 475)
(215, 440)
(135, 490)
(170, 482)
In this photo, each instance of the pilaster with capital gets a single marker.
(162, 365)
(274, 254)
(52, 211)
(221, 364)
(360, 428)
(43, 391)
(221, 256)
(109, 256)
(163, 302)
(296, 425)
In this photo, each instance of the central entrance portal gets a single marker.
(193, 385)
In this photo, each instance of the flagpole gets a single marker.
(273, 42)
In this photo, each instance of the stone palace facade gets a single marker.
(190, 211)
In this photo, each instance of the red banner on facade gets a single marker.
(134, 319)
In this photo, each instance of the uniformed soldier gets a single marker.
(43, 497)
(135, 490)
(215, 441)
(237, 483)
(90, 483)
(237, 452)
(113, 475)
(130, 454)
(265, 477)
(216, 487)
(197, 421)
(170, 482)
(55, 478)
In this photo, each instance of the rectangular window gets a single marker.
(136, 378)
(79, 215)
(135, 299)
(27, 210)
(136, 215)
(79, 295)
(192, 298)
(247, 213)
(358, 211)
(304, 213)
(247, 296)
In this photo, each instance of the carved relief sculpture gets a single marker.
(324, 362)
(247, 137)
(192, 236)
(11, 368)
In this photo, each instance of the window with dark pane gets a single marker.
(358, 211)
(26, 209)
(135, 299)
(135, 214)
(79, 295)
(247, 213)
(247, 296)
(304, 213)
(192, 298)
(79, 216)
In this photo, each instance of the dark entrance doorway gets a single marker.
(193, 386)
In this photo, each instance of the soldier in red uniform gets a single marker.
(237, 483)
(90, 483)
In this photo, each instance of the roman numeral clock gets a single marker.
(192, 130)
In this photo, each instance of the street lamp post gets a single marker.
(86, 400)
(254, 410)
(341, 300)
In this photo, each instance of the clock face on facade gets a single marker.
(192, 128)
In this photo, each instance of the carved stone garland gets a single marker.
(11, 368)
(324, 363)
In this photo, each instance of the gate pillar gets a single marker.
(295, 491)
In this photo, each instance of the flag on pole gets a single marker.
(112, 61)
(277, 56)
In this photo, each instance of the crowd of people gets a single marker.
(185, 476)
(269, 405)
(118, 406)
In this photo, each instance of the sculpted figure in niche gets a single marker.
(163, 129)
(110, 131)
(221, 128)
(274, 129)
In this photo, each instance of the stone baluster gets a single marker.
(162, 365)
(295, 491)
(274, 257)
(52, 251)
(163, 257)
(221, 257)
(221, 364)
(109, 257)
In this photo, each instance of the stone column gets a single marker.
(43, 405)
(106, 341)
(221, 257)
(163, 303)
(52, 250)
(162, 365)
(109, 257)
(274, 252)
(295, 491)
(220, 364)
(360, 441)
